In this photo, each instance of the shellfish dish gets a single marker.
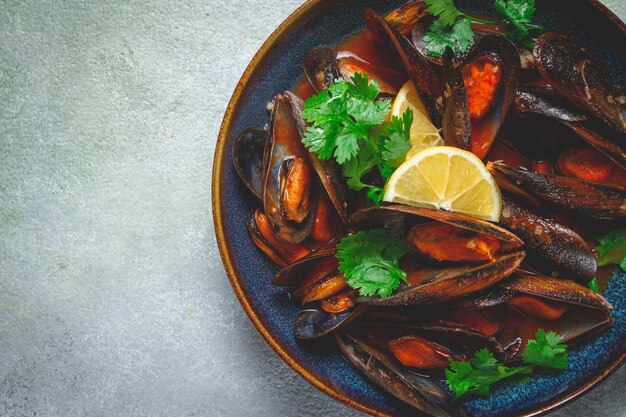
(443, 197)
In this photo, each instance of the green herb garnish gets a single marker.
(477, 375)
(347, 123)
(545, 351)
(452, 26)
(612, 249)
(593, 284)
(369, 261)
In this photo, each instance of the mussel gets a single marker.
(552, 247)
(588, 198)
(479, 266)
(289, 191)
(323, 65)
(546, 102)
(479, 91)
(315, 283)
(385, 371)
(579, 76)
(418, 69)
(527, 302)
(248, 158)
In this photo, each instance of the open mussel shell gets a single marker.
(421, 393)
(285, 146)
(586, 312)
(579, 76)
(378, 328)
(417, 67)
(400, 218)
(320, 67)
(551, 248)
(281, 253)
(455, 122)
(315, 322)
(590, 199)
(546, 101)
(405, 17)
(447, 283)
(248, 158)
(504, 53)
(290, 277)
(603, 141)
(323, 65)
(328, 172)
(557, 290)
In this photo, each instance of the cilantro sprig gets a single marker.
(348, 123)
(452, 26)
(370, 261)
(477, 375)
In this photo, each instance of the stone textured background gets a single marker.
(113, 299)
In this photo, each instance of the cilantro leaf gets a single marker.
(612, 249)
(398, 139)
(593, 284)
(545, 351)
(369, 260)
(459, 37)
(445, 10)
(477, 376)
(519, 13)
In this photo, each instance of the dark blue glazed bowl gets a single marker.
(277, 67)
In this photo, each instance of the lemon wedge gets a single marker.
(423, 133)
(447, 178)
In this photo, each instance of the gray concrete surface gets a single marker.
(113, 299)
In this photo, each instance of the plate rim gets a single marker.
(226, 256)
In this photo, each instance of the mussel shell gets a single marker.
(417, 67)
(313, 323)
(248, 158)
(504, 52)
(284, 143)
(328, 172)
(580, 77)
(379, 329)
(612, 148)
(320, 67)
(552, 248)
(448, 283)
(587, 313)
(291, 275)
(594, 200)
(547, 102)
(405, 17)
(455, 122)
(422, 393)
(557, 290)
(400, 218)
(279, 252)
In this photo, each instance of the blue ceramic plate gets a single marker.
(277, 67)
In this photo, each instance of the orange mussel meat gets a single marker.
(418, 352)
(449, 243)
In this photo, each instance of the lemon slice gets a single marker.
(448, 178)
(423, 133)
